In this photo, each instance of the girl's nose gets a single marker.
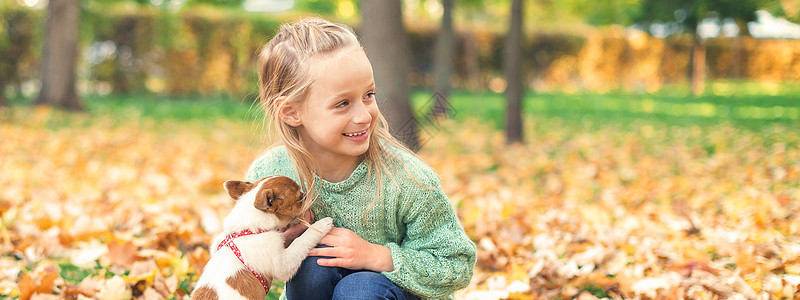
(360, 114)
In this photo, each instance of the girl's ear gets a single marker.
(290, 114)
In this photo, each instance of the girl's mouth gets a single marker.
(357, 137)
(355, 134)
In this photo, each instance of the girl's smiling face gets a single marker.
(337, 118)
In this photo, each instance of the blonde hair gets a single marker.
(284, 76)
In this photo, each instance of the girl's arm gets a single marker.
(436, 258)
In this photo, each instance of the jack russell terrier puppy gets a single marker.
(250, 251)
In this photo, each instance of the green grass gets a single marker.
(123, 107)
(744, 104)
(753, 111)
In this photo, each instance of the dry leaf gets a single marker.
(114, 288)
(143, 270)
(172, 284)
(685, 269)
(29, 287)
(91, 284)
(152, 294)
(74, 291)
(198, 258)
(160, 285)
(38, 296)
(123, 254)
(586, 296)
(601, 206)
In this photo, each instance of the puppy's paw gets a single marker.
(324, 225)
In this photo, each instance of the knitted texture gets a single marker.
(432, 255)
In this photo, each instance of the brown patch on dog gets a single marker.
(282, 196)
(237, 188)
(204, 293)
(264, 199)
(247, 285)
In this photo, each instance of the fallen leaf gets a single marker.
(160, 285)
(114, 288)
(38, 296)
(143, 270)
(29, 287)
(685, 269)
(151, 294)
(123, 254)
(198, 258)
(73, 292)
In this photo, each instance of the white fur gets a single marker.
(263, 252)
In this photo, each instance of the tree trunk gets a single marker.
(124, 36)
(443, 62)
(472, 61)
(19, 31)
(60, 55)
(386, 44)
(513, 68)
(698, 66)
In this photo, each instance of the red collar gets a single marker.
(228, 241)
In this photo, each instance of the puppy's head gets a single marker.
(279, 195)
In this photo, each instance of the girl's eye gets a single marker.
(371, 95)
(342, 104)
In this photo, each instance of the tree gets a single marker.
(16, 33)
(606, 12)
(386, 45)
(60, 55)
(443, 61)
(513, 69)
(689, 14)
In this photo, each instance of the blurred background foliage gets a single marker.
(207, 47)
(613, 127)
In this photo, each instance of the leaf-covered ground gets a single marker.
(94, 207)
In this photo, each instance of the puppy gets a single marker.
(249, 252)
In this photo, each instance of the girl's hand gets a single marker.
(292, 231)
(350, 251)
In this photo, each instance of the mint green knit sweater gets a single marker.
(432, 255)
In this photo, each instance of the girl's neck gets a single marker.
(336, 170)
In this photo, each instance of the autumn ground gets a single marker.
(657, 198)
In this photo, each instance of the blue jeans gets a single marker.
(313, 281)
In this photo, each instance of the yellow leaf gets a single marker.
(28, 286)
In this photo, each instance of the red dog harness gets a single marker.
(228, 241)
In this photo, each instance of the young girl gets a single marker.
(397, 235)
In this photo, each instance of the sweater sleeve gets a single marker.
(273, 162)
(436, 257)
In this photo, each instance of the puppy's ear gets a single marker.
(237, 188)
(264, 199)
